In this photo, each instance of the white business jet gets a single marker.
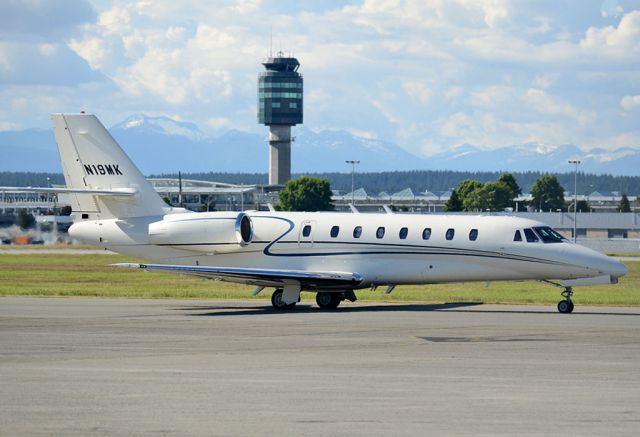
(332, 254)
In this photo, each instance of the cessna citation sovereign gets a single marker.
(332, 254)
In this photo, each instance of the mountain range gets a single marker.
(163, 145)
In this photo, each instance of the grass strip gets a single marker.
(90, 275)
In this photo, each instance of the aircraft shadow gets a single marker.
(462, 307)
(237, 310)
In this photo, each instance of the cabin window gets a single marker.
(517, 236)
(450, 233)
(530, 236)
(357, 231)
(426, 233)
(335, 231)
(403, 233)
(473, 235)
(548, 235)
(380, 232)
(306, 231)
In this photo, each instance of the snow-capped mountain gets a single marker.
(161, 144)
(160, 125)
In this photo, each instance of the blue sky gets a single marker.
(426, 74)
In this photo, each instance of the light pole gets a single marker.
(575, 198)
(353, 180)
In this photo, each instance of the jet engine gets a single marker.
(210, 233)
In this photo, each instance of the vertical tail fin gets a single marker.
(92, 159)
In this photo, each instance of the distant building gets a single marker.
(213, 196)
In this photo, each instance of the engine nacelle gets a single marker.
(211, 233)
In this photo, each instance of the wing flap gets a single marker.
(258, 277)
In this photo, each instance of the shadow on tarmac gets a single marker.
(466, 307)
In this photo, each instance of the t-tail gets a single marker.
(102, 182)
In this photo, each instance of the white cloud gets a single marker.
(494, 11)
(48, 49)
(219, 122)
(7, 125)
(547, 104)
(418, 90)
(453, 93)
(620, 41)
(456, 126)
(93, 50)
(5, 62)
(115, 20)
(545, 80)
(176, 33)
(629, 103)
(494, 96)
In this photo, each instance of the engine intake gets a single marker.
(210, 233)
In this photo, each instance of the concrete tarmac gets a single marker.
(80, 366)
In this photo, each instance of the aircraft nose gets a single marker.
(617, 269)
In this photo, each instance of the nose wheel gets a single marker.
(566, 305)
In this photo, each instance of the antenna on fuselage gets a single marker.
(353, 208)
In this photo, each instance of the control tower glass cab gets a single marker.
(280, 107)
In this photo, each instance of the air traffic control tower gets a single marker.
(280, 107)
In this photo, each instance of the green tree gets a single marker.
(26, 220)
(583, 206)
(467, 186)
(510, 181)
(624, 205)
(306, 194)
(491, 196)
(547, 194)
(479, 199)
(454, 203)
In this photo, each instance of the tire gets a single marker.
(565, 306)
(327, 300)
(277, 303)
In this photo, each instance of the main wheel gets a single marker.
(326, 300)
(565, 306)
(276, 301)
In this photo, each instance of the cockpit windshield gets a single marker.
(548, 235)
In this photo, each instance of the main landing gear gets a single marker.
(566, 305)
(330, 300)
(278, 303)
(326, 300)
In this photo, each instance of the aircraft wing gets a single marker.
(259, 277)
(125, 192)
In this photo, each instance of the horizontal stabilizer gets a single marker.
(258, 277)
(118, 192)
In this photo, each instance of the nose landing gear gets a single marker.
(566, 305)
